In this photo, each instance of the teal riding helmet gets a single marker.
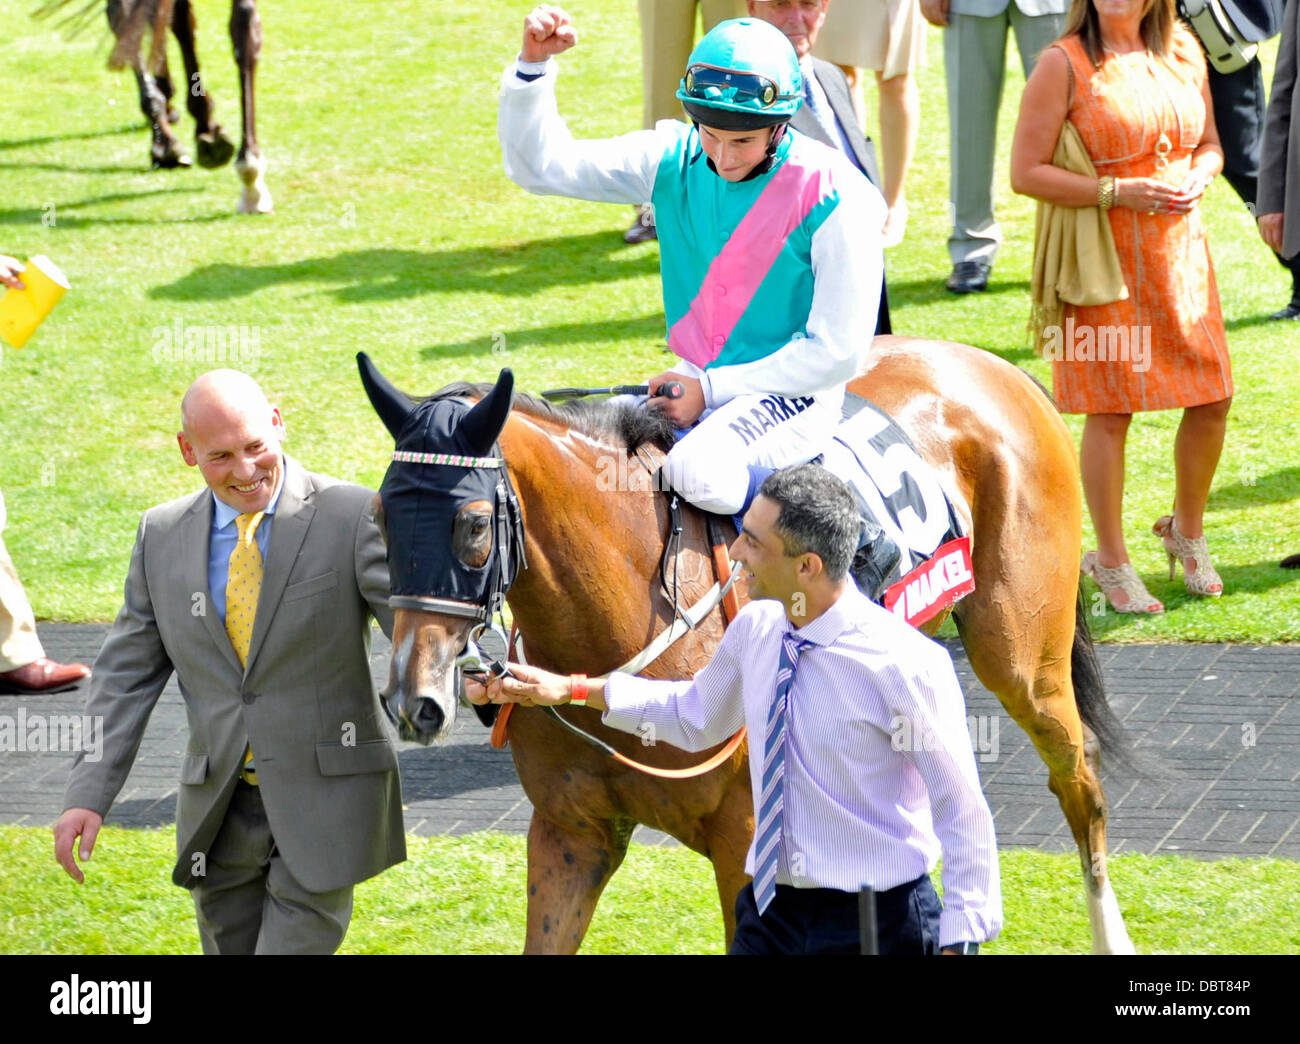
(743, 75)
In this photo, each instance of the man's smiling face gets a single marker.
(235, 442)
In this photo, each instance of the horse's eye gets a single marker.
(471, 540)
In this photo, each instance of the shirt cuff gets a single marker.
(957, 925)
(531, 70)
(624, 710)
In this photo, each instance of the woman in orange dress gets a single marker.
(1133, 83)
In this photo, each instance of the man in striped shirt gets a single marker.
(861, 766)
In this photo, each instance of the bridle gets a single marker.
(508, 555)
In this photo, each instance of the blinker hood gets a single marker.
(422, 500)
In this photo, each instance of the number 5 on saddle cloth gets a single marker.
(914, 558)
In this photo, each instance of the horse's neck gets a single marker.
(594, 540)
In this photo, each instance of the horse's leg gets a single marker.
(164, 151)
(729, 831)
(212, 146)
(246, 36)
(163, 80)
(1029, 669)
(567, 871)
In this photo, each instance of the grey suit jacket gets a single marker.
(305, 701)
(989, 8)
(1279, 167)
(836, 89)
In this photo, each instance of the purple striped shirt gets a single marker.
(879, 771)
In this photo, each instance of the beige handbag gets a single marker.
(1075, 261)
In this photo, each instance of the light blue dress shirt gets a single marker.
(222, 542)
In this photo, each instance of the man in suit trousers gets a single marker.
(1239, 114)
(258, 592)
(1278, 207)
(974, 54)
(827, 114)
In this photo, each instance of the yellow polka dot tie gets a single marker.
(243, 585)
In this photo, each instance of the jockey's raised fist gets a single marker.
(547, 31)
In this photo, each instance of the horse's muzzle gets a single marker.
(426, 725)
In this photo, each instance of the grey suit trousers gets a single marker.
(248, 902)
(974, 52)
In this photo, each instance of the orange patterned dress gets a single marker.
(1162, 347)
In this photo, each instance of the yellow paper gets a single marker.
(22, 311)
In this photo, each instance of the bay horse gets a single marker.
(131, 21)
(591, 597)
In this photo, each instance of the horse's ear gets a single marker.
(484, 422)
(392, 406)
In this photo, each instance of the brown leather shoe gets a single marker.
(42, 675)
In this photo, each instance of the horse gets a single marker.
(591, 596)
(130, 21)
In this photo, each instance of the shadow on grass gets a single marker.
(62, 218)
(385, 275)
(46, 139)
(66, 168)
(930, 290)
(1261, 319)
(1275, 488)
(648, 328)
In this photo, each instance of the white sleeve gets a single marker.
(972, 890)
(542, 156)
(848, 267)
(691, 715)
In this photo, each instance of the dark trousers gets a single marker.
(1239, 104)
(824, 921)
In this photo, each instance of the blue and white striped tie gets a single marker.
(767, 853)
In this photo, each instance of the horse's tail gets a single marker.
(130, 20)
(1090, 697)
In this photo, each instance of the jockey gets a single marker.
(769, 246)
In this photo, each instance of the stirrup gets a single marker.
(1140, 602)
(1203, 580)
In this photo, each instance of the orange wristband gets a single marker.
(578, 689)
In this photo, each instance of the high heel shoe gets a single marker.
(1138, 599)
(1203, 580)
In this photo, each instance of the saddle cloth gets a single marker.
(914, 555)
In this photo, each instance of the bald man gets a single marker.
(257, 592)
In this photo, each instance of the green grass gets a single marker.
(396, 231)
(466, 895)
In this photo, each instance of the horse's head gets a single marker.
(454, 537)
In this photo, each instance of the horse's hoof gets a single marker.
(214, 148)
(255, 200)
(169, 158)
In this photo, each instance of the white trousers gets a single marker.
(19, 645)
(710, 465)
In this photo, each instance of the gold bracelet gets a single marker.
(1106, 192)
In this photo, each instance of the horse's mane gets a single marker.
(627, 425)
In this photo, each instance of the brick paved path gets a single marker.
(1220, 724)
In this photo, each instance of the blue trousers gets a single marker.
(824, 921)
